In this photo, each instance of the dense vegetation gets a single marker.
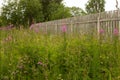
(26, 55)
(39, 55)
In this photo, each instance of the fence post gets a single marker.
(56, 28)
(118, 22)
(46, 31)
(98, 25)
(71, 27)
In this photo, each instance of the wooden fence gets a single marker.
(90, 24)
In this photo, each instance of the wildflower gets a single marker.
(31, 27)
(40, 63)
(9, 38)
(36, 30)
(115, 32)
(38, 24)
(35, 27)
(64, 28)
(101, 31)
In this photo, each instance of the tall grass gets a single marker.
(26, 55)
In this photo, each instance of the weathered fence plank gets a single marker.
(85, 24)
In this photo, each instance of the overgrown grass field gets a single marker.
(26, 55)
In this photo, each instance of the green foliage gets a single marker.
(26, 55)
(76, 11)
(24, 12)
(32, 10)
(0, 21)
(21, 12)
(9, 13)
(49, 4)
(58, 11)
(95, 6)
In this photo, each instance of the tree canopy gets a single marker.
(76, 11)
(25, 12)
(95, 6)
(21, 12)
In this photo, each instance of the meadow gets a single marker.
(27, 55)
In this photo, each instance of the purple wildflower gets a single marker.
(101, 31)
(35, 27)
(116, 31)
(9, 38)
(31, 27)
(64, 28)
(40, 63)
(38, 24)
(36, 30)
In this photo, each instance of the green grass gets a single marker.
(25, 55)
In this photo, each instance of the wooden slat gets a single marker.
(85, 24)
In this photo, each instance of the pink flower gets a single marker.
(35, 27)
(116, 31)
(40, 63)
(101, 31)
(31, 27)
(64, 28)
(38, 24)
(36, 30)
